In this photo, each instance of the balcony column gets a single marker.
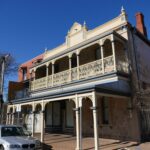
(42, 126)
(33, 115)
(6, 118)
(70, 68)
(95, 121)
(78, 73)
(47, 70)
(114, 56)
(34, 71)
(78, 130)
(23, 118)
(13, 116)
(53, 73)
(30, 81)
(9, 118)
(102, 57)
(42, 122)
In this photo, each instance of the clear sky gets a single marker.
(27, 27)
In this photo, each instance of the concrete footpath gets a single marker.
(68, 142)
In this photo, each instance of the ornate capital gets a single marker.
(101, 43)
(53, 62)
(70, 55)
(47, 64)
(112, 38)
(78, 52)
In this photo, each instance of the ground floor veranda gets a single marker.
(91, 114)
(55, 141)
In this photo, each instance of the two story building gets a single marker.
(94, 84)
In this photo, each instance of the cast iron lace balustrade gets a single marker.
(40, 83)
(82, 72)
(61, 77)
(74, 74)
(109, 64)
(122, 66)
(49, 80)
(90, 69)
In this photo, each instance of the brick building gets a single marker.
(95, 84)
(20, 89)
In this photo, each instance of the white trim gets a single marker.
(60, 88)
(113, 95)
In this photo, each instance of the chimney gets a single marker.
(140, 23)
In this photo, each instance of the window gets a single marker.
(12, 131)
(24, 74)
(105, 110)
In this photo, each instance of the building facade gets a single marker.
(91, 85)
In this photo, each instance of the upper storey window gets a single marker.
(24, 71)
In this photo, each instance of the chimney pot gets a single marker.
(140, 23)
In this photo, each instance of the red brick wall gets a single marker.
(27, 65)
(140, 23)
(120, 126)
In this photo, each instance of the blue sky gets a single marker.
(27, 27)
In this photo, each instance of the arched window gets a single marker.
(38, 108)
(90, 54)
(61, 64)
(40, 72)
(107, 48)
(120, 51)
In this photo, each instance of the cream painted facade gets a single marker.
(87, 86)
(79, 34)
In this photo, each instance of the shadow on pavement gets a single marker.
(46, 147)
(126, 147)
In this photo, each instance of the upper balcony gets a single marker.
(103, 56)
